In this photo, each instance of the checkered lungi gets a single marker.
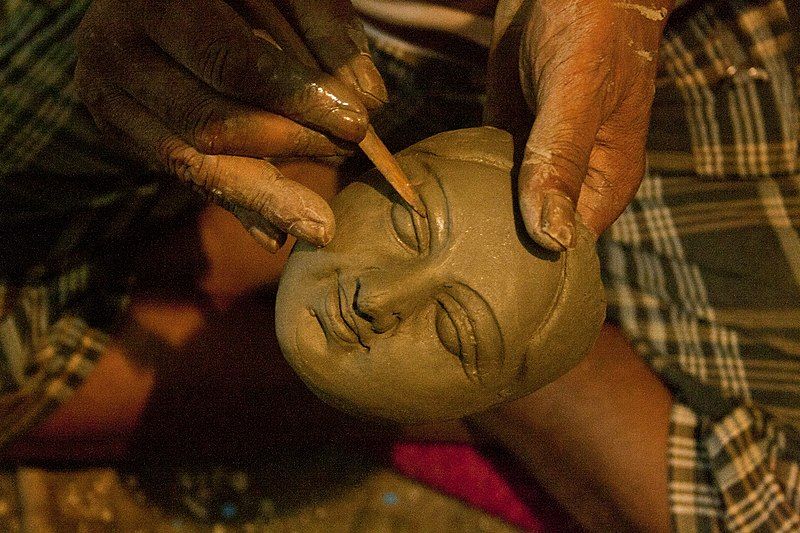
(71, 216)
(703, 269)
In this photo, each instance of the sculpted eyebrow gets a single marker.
(438, 206)
(489, 364)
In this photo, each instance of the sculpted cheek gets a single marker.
(309, 340)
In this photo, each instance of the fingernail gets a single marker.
(369, 81)
(558, 219)
(348, 124)
(267, 241)
(311, 231)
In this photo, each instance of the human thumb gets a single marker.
(554, 166)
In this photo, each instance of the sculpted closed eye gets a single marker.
(467, 328)
(411, 229)
(457, 333)
(446, 330)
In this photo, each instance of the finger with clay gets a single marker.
(205, 91)
(586, 70)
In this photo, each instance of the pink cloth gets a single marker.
(461, 472)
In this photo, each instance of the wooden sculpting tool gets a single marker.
(387, 165)
(283, 35)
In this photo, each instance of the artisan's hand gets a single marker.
(207, 88)
(586, 69)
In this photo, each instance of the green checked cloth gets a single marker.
(71, 214)
(45, 351)
(702, 270)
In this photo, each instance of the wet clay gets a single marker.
(417, 319)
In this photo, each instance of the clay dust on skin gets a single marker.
(543, 157)
(546, 212)
(648, 56)
(649, 13)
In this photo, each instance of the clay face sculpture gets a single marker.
(413, 319)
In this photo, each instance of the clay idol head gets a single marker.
(414, 319)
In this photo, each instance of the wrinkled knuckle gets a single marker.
(560, 165)
(172, 153)
(260, 202)
(568, 154)
(184, 161)
(216, 63)
(205, 171)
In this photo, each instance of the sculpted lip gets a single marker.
(333, 318)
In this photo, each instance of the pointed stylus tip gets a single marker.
(417, 205)
(387, 165)
(403, 187)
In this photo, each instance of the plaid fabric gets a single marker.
(703, 269)
(703, 277)
(43, 356)
(36, 62)
(726, 78)
(55, 370)
(694, 501)
(739, 473)
(72, 215)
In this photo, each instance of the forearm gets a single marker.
(595, 438)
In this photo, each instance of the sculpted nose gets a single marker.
(383, 301)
